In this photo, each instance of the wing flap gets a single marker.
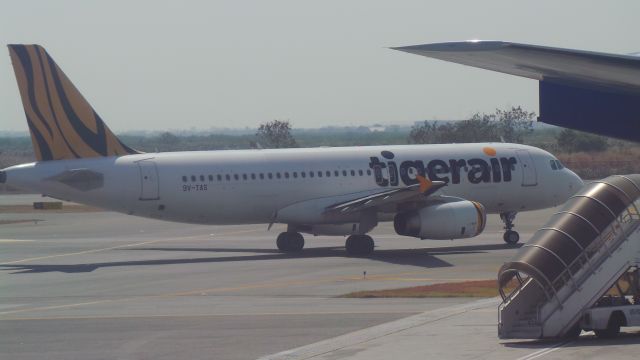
(424, 188)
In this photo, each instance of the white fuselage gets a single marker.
(251, 186)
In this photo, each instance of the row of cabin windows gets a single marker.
(277, 175)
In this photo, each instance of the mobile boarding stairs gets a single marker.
(570, 263)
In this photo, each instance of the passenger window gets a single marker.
(344, 172)
(210, 178)
(353, 173)
(201, 177)
(193, 178)
(328, 173)
(553, 165)
(253, 176)
(219, 177)
(295, 174)
(184, 179)
(286, 174)
(278, 175)
(270, 175)
(261, 176)
(244, 176)
(235, 176)
(336, 173)
(319, 173)
(369, 172)
(303, 174)
(310, 173)
(360, 172)
(228, 177)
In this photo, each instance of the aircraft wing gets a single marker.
(583, 90)
(410, 193)
(539, 62)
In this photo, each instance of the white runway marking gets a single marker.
(543, 352)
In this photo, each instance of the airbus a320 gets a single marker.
(428, 191)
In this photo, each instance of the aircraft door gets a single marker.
(149, 182)
(529, 175)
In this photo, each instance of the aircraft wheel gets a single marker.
(359, 245)
(290, 241)
(511, 237)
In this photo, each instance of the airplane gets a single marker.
(583, 90)
(428, 191)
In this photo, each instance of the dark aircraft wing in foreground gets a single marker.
(583, 90)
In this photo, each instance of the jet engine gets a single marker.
(453, 220)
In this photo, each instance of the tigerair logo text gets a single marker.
(387, 172)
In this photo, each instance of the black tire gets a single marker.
(282, 242)
(290, 242)
(296, 242)
(612, 330)
(367, 245)
(351, 245)
(511, 237)
(359, 245)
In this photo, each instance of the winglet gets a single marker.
(425, 184)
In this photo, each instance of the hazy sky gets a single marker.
(160, 65)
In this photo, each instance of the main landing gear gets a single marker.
(510, 236)
(290, 241)
(356, 245)
(359, 245)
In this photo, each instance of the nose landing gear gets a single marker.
(510, 236)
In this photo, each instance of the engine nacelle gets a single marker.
(454, 220)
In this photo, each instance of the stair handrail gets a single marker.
(604, 240)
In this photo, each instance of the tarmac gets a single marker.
(102, 285)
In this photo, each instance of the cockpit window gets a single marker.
(556, 164)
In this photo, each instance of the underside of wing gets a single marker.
(382, 199)
(583, 90)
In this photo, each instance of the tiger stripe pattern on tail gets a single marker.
(63, 125)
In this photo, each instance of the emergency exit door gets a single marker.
(149, 182)
(529, 175)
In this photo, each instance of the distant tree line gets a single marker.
(510, 125)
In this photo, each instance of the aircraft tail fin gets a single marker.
(63, 125)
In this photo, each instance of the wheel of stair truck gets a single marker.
(290, 241)
(359, 245)
(511, 237)
(613, 327)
